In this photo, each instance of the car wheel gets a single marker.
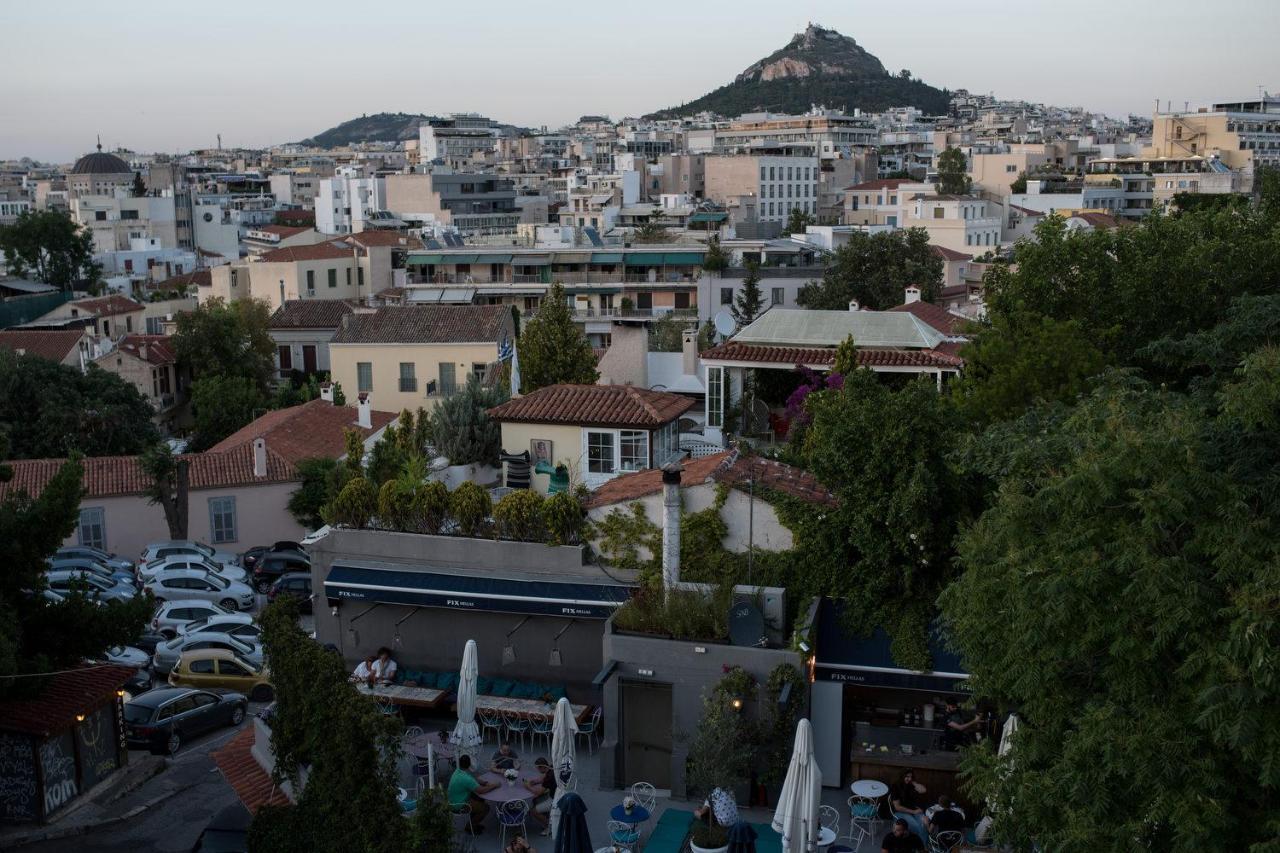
(237, 715)
(230, 603)
(262, 586)
(262, 693)
(172, 743)
(168, 633)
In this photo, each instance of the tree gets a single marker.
(553, 348)
(470, 506)
(797, 222)
(716, 259)
(228, 339)
(50, 246)
(1019, 185)
(170, 478)
(651, 232)
(953, 178)
(339, 398)
(666, 334)
(221, 405)
(314, 492)
(355, 504)
(139, 189)
(50, 410)
(747, 304)
(462, 429)
(875, 270)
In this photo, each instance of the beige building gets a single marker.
(779, 183)
(1241, 134)
(150, 364)
(996, 172)
(883, 201)
(962, 223)
(108, 317)
(404, 357)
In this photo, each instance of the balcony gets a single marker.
(582, 314)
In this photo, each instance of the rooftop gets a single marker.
(195, 278)
(330, 251)
(881, 184)
(938, 318)
(427, 324)
(310, 314)
(53, 344)
(869, 329)
(950, 254)
(245, 775)
(159, 348)
(65, 695)
(733, 351)
(313, 430)
(594, 405)
(108, 306)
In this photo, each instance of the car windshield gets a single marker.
(217, 581)
(203, 549)
(222, 609)
(196, 625)
(137, 713)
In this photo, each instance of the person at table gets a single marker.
(901, 839)
(384, 668)
(519, 845)
(504, 759)
(363, 673)
(907, 798)
(544, 793)
(944, 816)
(720, 805)
(959, 727)
(465, 789)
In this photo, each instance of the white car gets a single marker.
(147, 571)
(172, 615)
(168, 654)
(185, 547)
(236, 624)
(186, 583)
(127, 656)
(96, 587)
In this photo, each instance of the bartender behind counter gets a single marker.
(959, 730)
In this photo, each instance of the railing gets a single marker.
(408, 386)
(776, 272)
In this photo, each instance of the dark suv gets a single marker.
(273, 564)
(294, 585)
(250, 558)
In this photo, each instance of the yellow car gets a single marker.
(206, 668)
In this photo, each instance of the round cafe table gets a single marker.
(505, 793)
(639, 814)
(826, 837)
(417, 747)
(869, 788)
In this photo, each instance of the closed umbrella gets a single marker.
(742, 838)
(564, 734)
(466, 735)
(796, 818)
(1006, 735)
(572, 835)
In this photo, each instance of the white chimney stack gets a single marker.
(854, 306)
(689, 349)
(326, 392)
(670, 527)
(912, 294)
(364, 412)
(259, 457)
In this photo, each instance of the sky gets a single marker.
(169, 75)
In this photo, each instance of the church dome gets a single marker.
(100, 163)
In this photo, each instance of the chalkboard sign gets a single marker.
(58, 761)
(17, 778)
(99, 756)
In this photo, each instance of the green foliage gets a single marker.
(622, 536)
(461, 427)
(778, 728)
(139, 188)
(395, 505)
(1019, 185)
(553, 348)
(50, 247)
(354, 505)
(682, 613)
(846, 360)
(875, 270)
(50, 410)
(953, 178)
(716, 259)
(797, 222)
(722, 753)
(651, 232)
(706, 336)
(353, 452)
(666, 334)
(222, 404)
(231, 339)
(314, 492)
(470, 506)
(339, 397)
(170, 479)
(431, 505)
(746, 306)
(519, 515)
(387, 457)
(566, 519)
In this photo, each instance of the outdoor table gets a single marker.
(639, 814)
(527, 707)
(826, 837)
(399, 694)
(417, 747)
(869, 788)
(505, 793)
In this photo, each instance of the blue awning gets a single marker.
(868, 660)
(464, 592)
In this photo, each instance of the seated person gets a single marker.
(544, 792)
(906, 799)
(384, 668)
(945, 816)
(364, 671)
(721, 805)
(464, 789)
(959, 730)
(519, 845)
(901, 839)
(504, 759)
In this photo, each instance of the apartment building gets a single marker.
(150, 364)
(958, 222)
(1241, 134)
(829, 132)
(344, 203)
(883, 201)
(456, 140)
(995, 171)
(781, 182)
(1141, 184)
(472, 203)
(296, 190)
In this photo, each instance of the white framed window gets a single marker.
(364, 376)
(600, 453)
(93, 527)
(715, 396)
(633, 447)
(222, 519)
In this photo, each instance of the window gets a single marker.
(479, 370)
(634, 447)
(644, 301)
(311, 282)
(715, 396)
(286, 357)
(682, 300)
(364, 376)
(230, 667)
(201, 666)
(938, 213)
(128, 324)
(408, 381)
(726, 296)
(222, 519)
(359, 276)
(93, 527)
(333, 278)
(777, 297)
(348, 276)
(448, 378)
(600, 453)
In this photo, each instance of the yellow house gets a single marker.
(403, 357)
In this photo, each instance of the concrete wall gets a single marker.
(626, 360)
(385, 360)
(566, 447)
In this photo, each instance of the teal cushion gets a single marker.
(500, 687)
(447, 681)
(557, 693)
(483, 685)
(864, 810)
(524, 690)
(399, 677)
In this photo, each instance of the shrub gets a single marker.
(565, 519)
(519, 515)
(431, 506)
(622, 536)
(461, 428)
(723, 751)
(395, 505)
(354, 505)
(470, 507)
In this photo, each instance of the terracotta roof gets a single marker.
(53, 344)
(427, 324)
(159, 348)
(54, 708)
(310, 314)
(953, 290)
(296, 215)
(937, 317)
(594, 405)
(205, 253)
(1026, 210)
(729, 467)
(314, 252)
(313, 430)
(1098, 220)
(284, 232)
(881, 184)
(117, 476)
(108, 306)
(198, 278)
(384, 238)
(868, 357)
(245, 775)
(950, 254)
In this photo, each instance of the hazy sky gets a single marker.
(170, 74)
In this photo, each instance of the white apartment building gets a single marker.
(344, 202)
(115, 220)
(781, 183)
(456, 139)
(958, 222)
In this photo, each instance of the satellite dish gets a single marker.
(746, 625)
(724, 323)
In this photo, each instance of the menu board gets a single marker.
(99, 755)
(17, 778)
(58, 761)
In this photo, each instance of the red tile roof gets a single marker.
(116, 476)
(950, 254)
(53, 344)
(284, 232)
(881, 184)
(300, 216)
(594, 405)
(310, 314)
(823, 356)
(197, 278)
(1099, 220)
(245, 775)
(1026, 210)
(108, 306)
(427, 324)
(63, 696)
(314, 252)
(159, 348)
(313, 430)
(932, 315)
(384, 238)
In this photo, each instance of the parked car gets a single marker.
(147, 571)
(278, 563)
(94, 585)
(189, 583)
(172, 615)
(167, 654)
(210, 668)
(160, 720)
(85, 564)
(148, 640)
(236, 624)
(128, 656)
(226, 832)
(251, 557)
(119, 564)
(295, 585)
(138, 684)
(180, 547)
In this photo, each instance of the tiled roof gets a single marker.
(197, 278)
(939, 318)
(52, 344)
(108, 306)
(313, 430)
(427, 324)
(729, 467)
(159, 348)
(310, 314)
(594, 405)
(245, 775)
(54, 708)
(117, 476)
(1026, 210)
(880, 184)
(1099, 220)
(284, 232)
(950, 254)
(869, 357)
(301, 216)
(384, 238)
(330, 251)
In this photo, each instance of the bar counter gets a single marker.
(936, 770)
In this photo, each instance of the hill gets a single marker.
(818, 66)
(379, 127)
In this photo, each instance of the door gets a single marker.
(205, 716)
(308, 358)
(199, 672)
(645, 726)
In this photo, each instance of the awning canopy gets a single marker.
(423, 258)
(606, 257)
(493, 259)
(531, 260)
(459, 259)
(466, 592)
(846, 658)
(646, 259)
(430, 295)
(573, 257)
(706, 216)
(686, 258)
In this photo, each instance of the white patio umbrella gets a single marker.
(796, 817)
(1006, 735)
(466, 735)
(564, 735)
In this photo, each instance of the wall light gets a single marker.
(79, 718)
(736, 703)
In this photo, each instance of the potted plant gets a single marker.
(724, 749)
(708, 838)
(511, 775)
(628, 805)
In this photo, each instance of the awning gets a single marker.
(422, 258)
(850, 659)
(458, 259)
(571, 257)
(581, 289)
(603, 676)
(648, 259)
(531, 260)
(606, 257)
(465, 592)
(686, 258)
(510, 290)
(419, 295)
(708, 217)
(493, 259)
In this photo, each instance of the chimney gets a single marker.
(142, 350)
(259, 457)
(326, 392)
(671, 527)
(689, 349)
(912, 294)
(364, 412)
(854, 306)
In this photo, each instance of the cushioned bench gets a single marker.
(485, 686)
(767, 839)
(669, 832)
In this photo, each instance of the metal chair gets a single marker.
(864, 816)
(645, 795)
(591, 730)
(540, 727)
(830, 819)
(490, 721)
(386, 706)
(623, 833)
(946, 841)
(511, 814)
(462, 831)
(412, 732)
(517, 726)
